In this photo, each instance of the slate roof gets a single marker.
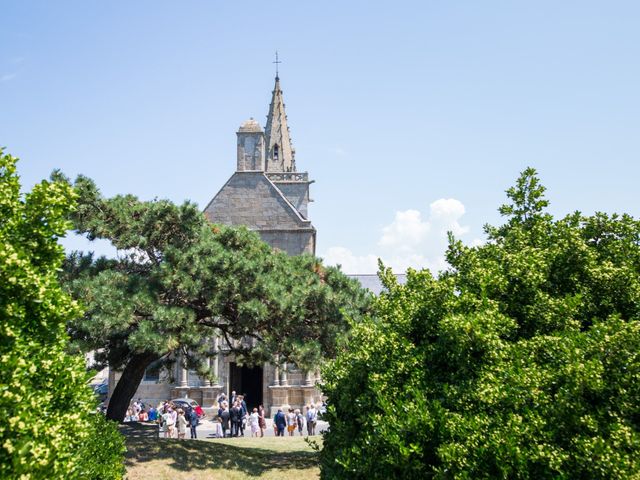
(252, 199)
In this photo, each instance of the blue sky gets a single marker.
(412, 117)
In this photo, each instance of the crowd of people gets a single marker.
(138, 412)
(294, 420)
(233, 418)
(173, 420)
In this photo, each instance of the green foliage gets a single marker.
(521, 361)
(45, 402)
(101, 455)
(180, 280)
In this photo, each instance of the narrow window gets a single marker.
(152, 373)
(275, 152)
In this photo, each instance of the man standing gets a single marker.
(236, 420)
(312, 418)
(192, 418)
(245, 413)
(243, 404)
(225, 416)
(281, 422)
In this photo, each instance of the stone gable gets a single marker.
(251, 199)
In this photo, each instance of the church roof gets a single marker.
(280, 154)
(253, 200)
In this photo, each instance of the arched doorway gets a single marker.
(246, 381)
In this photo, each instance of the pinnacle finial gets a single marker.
(277, 62)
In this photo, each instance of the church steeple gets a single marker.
(280, 154)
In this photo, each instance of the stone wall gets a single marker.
(151, 392)
(250, 199)
(250, 151)
(297, 193)
(293, 242)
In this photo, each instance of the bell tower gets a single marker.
(250, 147)
(267, 193)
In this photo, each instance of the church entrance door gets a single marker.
(248, 381)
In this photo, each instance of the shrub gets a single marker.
(47, 424)
(521, 361)
(101, 457)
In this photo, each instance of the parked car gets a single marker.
(188, 404)
(101, 390)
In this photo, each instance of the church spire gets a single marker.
(280, 155)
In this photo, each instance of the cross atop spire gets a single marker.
(277, 62)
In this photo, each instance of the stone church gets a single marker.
(267, 193)
(270, 196)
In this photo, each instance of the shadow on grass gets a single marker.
(143, 445)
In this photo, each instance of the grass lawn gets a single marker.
(149, 457)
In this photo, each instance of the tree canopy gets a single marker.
(180, 280)
(48, 427)
(520, 361)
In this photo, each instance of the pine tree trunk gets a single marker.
(128, 384)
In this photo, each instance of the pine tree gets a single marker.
(180, 280)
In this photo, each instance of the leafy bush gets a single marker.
(47, 428)
(521, 361)
(101, 457)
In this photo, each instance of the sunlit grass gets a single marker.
(153, 458)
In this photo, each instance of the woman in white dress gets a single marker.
(167, 420)
(254, 420)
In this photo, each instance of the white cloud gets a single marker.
(410, 240)
(405, 232)
(351, 263)
(446, 208)
(445, 213)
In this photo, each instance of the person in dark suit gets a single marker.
(236, 420)
(225, 418)
(281, 422)
(245, 413)
(192, 420)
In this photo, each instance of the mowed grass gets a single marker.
(149, 457)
